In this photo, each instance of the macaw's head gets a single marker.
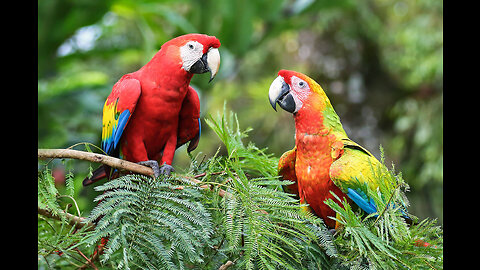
(294, 91)
(198, 53)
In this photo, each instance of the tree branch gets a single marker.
(112, 162)
(226, 265)
(94, 157)
(78, 222)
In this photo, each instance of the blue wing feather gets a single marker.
(122, 122)
(361, 200)
(199, 128)
(111, 143)
(366, 205)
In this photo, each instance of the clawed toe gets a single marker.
(165, 169)
(152, 164)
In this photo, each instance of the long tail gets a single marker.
(99, 174)
(100, 248)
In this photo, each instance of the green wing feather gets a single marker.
(357, 170)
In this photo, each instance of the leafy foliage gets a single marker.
(56, 236)
(384, 238)
(250, 157)
(153, 223)
(244, 216)
(261, 221)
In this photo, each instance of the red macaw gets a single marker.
(324, 159)
(153, 111)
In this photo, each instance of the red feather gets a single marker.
(161, 110)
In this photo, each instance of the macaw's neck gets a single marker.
(166, 66)
(317, 117)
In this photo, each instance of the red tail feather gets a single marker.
(98, 174)
(421, 243)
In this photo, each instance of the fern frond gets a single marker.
(151, 222)
(47, 193)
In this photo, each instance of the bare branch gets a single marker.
(226, 265)
(78, 222)
(94, 157)
(112, 162)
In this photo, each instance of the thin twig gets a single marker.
(204, 174)
(386, 206)
(200, 175)
(226, 265)
(77, 222)
(71, 198)
(205, 185)
(86, 258)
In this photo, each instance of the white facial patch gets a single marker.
(190, 54)
(301, 91)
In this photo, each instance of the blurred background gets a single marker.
(379, 61)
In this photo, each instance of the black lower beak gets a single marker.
(201, 66)
(285, 99)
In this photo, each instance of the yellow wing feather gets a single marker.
(356, 166)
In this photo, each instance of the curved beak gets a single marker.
(213, 61)
(279, 92)
(210, 61)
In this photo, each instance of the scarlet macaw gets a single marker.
(153, 111)
(324, 159)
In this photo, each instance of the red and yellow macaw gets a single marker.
(153, 111)
(324, 159)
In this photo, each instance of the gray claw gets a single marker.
(166, 169)
(152, 164)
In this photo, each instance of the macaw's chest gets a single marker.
(312, 167)
(313, 156)
(160, 106)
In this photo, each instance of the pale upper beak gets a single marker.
(279, 92)
(209, 62)
(213, 61)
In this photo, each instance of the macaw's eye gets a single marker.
(301, 84)
(190, 46)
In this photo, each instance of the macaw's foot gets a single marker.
(332, 232)
(152, 164)
(166, 169)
